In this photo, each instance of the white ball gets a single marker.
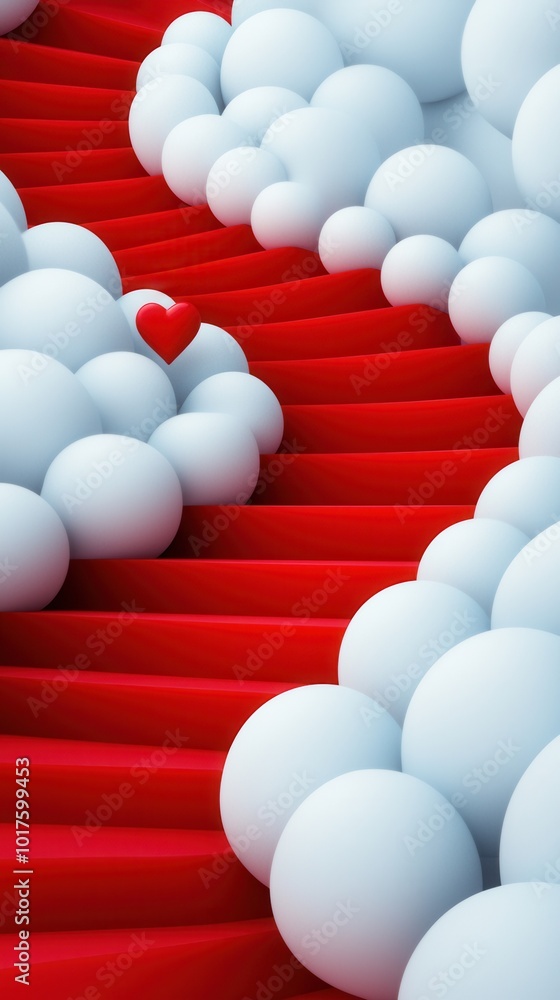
(158, 107)
(243, 9)
(527, 594)
(536, 363)
(132, 302)
(431, 190)
(117, 498)
(540, 431)
(190, 150)
(15, 12)
(526, 494)
(266, 777)
(283, 48)
(288, 214)
(384, 101)
(214, 455)
(72, 248)
(245, 397)
(509, 48)
(209, 31)
(13, 255)
(132, 394)
(530, 841)
(498, 943)
(35, 550)
(182, 59)
(399, 633)
(487, 292)
(363, 868)
(479, 717)
(472, 556)
(256, 109)
(237, 178)
(355, 237)
(420, 269)
(505, 343)
(43, 408)
(11, 200)
(536, 160)
(65, 315)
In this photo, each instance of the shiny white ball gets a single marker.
(288, 214)
(182, 59)
(536, 363)
(526, 494)
(505, 343)
(530, 841)
(237, 178)
(158, 107)
(355, 237)
(487, 292)
(72, 248)
(256, 109)
(420, 269)
(540, 431)
(11, 200)
(209, 31)
(13, 255)
(132, 394)
(536, 159)
(35, 550)
(527, 594)
(15, 12)
(245, 397)
(190, 151)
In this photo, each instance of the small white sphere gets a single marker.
(363, 868)
(479, 717)
(11, 200)
(117, 498)
(13, 255)
(431, 190)
(237, 178)
(527, 594)
(65, 315)
(399, 633)
(266, 777)
(245, 397)
(420, 269)
(353, 238)
(283, 48)
(536, 363)
(540, 431)
(256, 109)
(132, 394)
(505, 343)
(288, 214)
(182, 59)
(35, 550)
(209, 31)
(73, 248)
(132, 302)
(43, 407)
(15, 12)
(487, 292)
(383, 100)
(472, 556)
(190, 151)
(215, 456)
(158, 107)
(526, 494)
(536, 160)
(530, 841)
(498, 943)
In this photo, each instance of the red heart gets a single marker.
(168, 331)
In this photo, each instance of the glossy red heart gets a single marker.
(168, 331)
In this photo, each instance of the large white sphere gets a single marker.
(15, 12)
(384, 101)
(215, 456)
(540, 431)
(65, 315)
(256, 109)
(288, 214)
(526, 494)
(479, 717)
(245, 397)
(243, 9)
(505, 343)
(399, 633)
(181, 59)
(363, 868)
(472, 556)
(428, 189)
(536, 363)
(13, 255)
(498, 943)
(487, 292)
(266, 777)
(420, 269)
(43, 408)
(237, 178)
(530, 841)
(11, 200)
(536, 158)
(209, 31)
(527, 594)
(132, 394)
(283, 48)
(35, 550)
(355, 237)
(73, 248)
(190, 150)
(158, 107)
(117, 498)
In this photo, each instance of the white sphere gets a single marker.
(245, 397)
(117, 498)
(132, 302)
(420, 269)
(43, 408)
(15, 12)
(72, 248)
(530, 841)
(237, 178)
(209, 31)
(13, 255)
(498, 943)
(383, 100)
(487, 292)
(355, 237)
(288, 214)
(266, 777)
(65, 315)
(363, 868)
(472, 556)
(509, 47)
(11, 200)
(182, 59)
(256, 109)
(214, 455)
(399, 633)
(526, 494)
(540, 431)
(536, 159)
(536, 363)
(527, 594)
(431, 190)
(35, 550)
(158, 107)
(505, 343)
(132, 394)
(190, 150)
(283, 48)
(243, 9)
(479, 717)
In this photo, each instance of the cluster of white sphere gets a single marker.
(103, 442)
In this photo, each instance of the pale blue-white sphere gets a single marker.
(526, 494)
(13, 255)
(73, 248)
(288, 214)
(257, 108)
(11, 200)
(158, 107)
(505, 343)
(536, 159)
(527, 594)
(182, 59)
(420, 269)
(237, 178)
(540, 432)
(245, 397)
(15, 12)
(35, 550)
(191, 149)
(355, 237)
(489, 291)
(209, 31)
(536, 363)
(530, 841)
(132, 394)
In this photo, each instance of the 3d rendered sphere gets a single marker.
(245, 397)
(209, 31)
(355, 237)
(15, 12)
(132, 394)
(540, 431)
(505, 343)
(289, 213)
(35, 550)
(420, 269)
(13, 255)
(72, 248)
(530, 841)
(158, 107)
(236, 180)
(11, 200)
(257, 108)
(536, 363)
(527, 594)
(536, 159)
(489, 291)
(191, 149)
(182, 59)
(526, 494)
